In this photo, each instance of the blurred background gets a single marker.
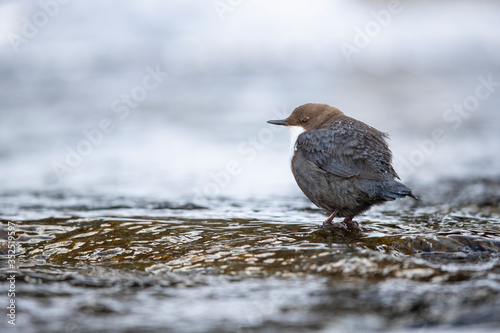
(222, 69)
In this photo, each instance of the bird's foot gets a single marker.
(329, 220)
(341, 225)
(350, 224)
(345, 230)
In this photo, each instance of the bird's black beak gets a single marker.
(278, 122)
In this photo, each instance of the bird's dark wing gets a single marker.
(348, 148)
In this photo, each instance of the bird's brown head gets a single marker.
(310, 116)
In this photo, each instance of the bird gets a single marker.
(341, 164)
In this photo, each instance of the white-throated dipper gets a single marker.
(341, 164)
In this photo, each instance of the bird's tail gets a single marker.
(394, 190)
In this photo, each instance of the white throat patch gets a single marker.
(295, 131)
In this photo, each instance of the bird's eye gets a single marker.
(305, 120)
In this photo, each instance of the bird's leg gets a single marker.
(328, 221)
(350, 223)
